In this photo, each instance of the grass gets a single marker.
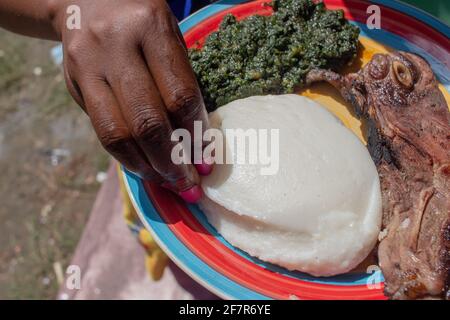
(44, 207)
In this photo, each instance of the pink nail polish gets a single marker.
(204, 169)
(191, 195)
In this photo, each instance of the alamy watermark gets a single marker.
(374, 19)
(73, 279)
(233, 146)
(73, 21)
(375, 280)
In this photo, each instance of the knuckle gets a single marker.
(143, 12)
(101, 29)
(75, 51)
(96, 103)
(113, 137)
(149, 126)
(122, 22)
(184, 101)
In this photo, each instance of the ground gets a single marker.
(50, 162)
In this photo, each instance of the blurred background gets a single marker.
(51, 165)
(51, 168)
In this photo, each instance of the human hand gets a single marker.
(127, 67)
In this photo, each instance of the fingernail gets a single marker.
(204, 168)
(191, 195)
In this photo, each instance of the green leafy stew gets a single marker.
(272, 54)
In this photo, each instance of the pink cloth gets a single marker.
(111, 260)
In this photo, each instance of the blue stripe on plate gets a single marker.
(178, 252)
(349, 279)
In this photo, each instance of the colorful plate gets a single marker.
(183, 231)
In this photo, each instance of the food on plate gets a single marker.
(320, 212)
(409, 140)
(272, 54)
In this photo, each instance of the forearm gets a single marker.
(33, 18)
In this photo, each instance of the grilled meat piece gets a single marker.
(409, 140)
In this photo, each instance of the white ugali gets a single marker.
(320, 213)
